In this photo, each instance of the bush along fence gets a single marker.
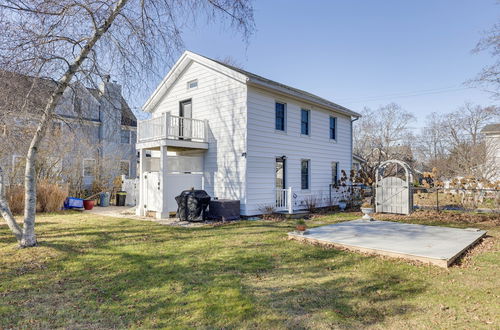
(464, 193)
(465, 199)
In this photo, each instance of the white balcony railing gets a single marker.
(172, 127)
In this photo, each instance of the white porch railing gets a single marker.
(284, 200)
(172, 127)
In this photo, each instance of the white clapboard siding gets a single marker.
(265, 144)
(222, 101)
(243, 143)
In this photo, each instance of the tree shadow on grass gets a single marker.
(147, 275)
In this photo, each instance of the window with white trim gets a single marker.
(333, 128)
(280, 114)
(125, 136)
(192, 84)
(125, 168)
(89, 167)
(18, 162)
(335, 173)
(305, 119)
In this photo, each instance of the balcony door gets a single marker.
(185, 113)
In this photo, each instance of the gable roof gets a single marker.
(491, 129)
(244, 77)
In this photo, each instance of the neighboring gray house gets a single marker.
(92, 137)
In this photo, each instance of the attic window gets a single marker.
(192, 84)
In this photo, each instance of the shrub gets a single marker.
(49, 197)
(267, 209)
(15, 197)
(311, 203)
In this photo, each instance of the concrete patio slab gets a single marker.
(429, 244)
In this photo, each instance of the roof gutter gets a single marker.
(352, 139)
(290, 93)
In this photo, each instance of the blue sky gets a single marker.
(364, 52)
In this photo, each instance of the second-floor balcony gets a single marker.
(174, 131)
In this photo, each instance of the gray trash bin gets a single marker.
(104, 199)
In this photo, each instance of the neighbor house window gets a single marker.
(335, 173)
(280, 109)
(125, 136)
(192, 84)
(18, 161)
(304, 174)
(89, 167)
(333, 128)
(125, 168)
(304, 121)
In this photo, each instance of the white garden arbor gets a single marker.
(393, 188)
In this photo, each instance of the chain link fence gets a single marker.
(463, 199)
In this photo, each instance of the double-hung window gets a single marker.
(333, 128)
(280, 111)
(125, 168)
(125, 136)
(305, 116)
(89, 167)
(304, 174)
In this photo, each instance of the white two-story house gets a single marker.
(239, 136)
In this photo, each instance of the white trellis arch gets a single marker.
(393, 192)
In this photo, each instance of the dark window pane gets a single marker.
(335, 178)
(280, 116)
(125, 136)
(333, 124)
(304, 122)
(304, 174)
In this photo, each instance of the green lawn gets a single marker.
(99, 272)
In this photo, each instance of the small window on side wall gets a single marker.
(280, 113)
(304, 174)
(192, 84)
(333, 128)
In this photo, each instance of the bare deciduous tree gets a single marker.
(453, 144)
(490, 75)
(383, 134)
(81, 40)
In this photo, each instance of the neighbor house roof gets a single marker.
(244, 77)
(32, 93)
(491, 129)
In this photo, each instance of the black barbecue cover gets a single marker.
(192, 205)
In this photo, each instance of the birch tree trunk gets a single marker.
(28, 233)
(39, 36)
(5, 210)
